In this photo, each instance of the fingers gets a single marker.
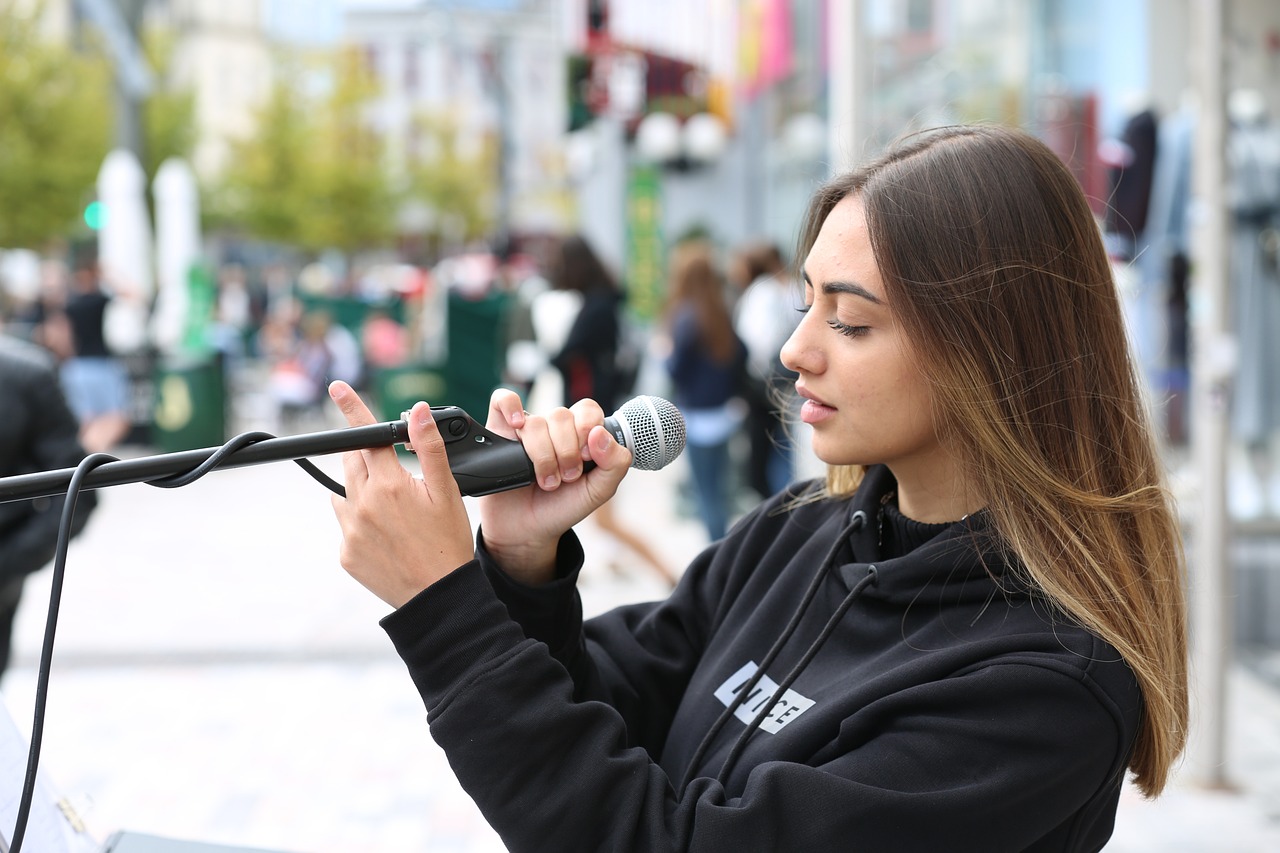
(358, 465)
(506, 413)
(587, 414)
(551, 442)
(350, 404)
(429, 446)
(606, 453)
(556, 443)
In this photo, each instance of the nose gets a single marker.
(799, 353)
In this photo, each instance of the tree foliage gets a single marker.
(266, 186)
(57, 114)
(457, 182)
(169, 113)
(313, 174)
(354, 206)
(316, 173)
(55, 127)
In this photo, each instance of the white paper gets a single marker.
(52, 825)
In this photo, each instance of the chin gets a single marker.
(837, 455)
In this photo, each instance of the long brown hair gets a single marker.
(994, 265)
(696, 282)
(574, 265)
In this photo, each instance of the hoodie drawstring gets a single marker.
(786, 683)
(855, 524)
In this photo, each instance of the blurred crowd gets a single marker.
(556, 324)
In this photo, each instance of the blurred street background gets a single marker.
(270, 194)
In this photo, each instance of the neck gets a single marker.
(935, 495)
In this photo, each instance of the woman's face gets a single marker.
(863, 397)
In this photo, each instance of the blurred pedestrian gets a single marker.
(96, 381)
(384, 341)
(39, 432)
(305, 358)
(706, 364)
(765, 315)
(587, 360)
(516, 276)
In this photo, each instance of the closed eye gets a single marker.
(847, 330)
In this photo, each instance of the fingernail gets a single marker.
(570, 476)
(550, 481)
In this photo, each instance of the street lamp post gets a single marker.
(1211, 625)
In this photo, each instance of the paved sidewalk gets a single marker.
(219, 678)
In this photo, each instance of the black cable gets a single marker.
(241, 441)
(46, 651)
(173, 481)
(59, 571)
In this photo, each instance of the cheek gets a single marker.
(913, 393)
(894, 393)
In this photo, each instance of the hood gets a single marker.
(963, 564)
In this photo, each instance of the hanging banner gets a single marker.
(644, 273)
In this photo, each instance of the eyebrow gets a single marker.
(852, 287)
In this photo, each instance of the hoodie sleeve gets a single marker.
(636, 659)
(997, 758)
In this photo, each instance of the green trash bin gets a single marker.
(398, 388)
(189, 410)
(477, 351)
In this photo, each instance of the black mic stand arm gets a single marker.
(481, 461)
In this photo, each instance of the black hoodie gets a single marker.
(924, 703)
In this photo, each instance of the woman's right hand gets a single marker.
(522, 527)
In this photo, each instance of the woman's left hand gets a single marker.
(399, 534)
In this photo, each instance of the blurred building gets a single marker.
(493, 72)
(222, 52)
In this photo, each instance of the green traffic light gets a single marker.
(95, 215)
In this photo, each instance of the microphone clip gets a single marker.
(482, 462)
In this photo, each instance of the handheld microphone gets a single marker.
(482, 462)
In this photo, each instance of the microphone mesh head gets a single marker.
(654, 428)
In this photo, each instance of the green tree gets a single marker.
(313, 174)
(55, 126)
(265, 189)
(457, 184)
(169, 113)
(354, 206)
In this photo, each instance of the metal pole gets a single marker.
(120, 22)
(1212, 366)
(506, 150)
(848, 101)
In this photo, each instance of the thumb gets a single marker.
(429, 447)
(608, 455)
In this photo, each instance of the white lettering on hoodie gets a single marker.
(788, 707)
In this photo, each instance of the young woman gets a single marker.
(588, 363)
(707, 366)
(963, 639)
(764, 317)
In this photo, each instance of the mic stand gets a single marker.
(481, 462)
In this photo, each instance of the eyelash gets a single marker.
(842, 328)
(847, 330)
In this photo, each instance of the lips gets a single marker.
(813, 410)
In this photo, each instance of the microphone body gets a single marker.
(482, 462)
